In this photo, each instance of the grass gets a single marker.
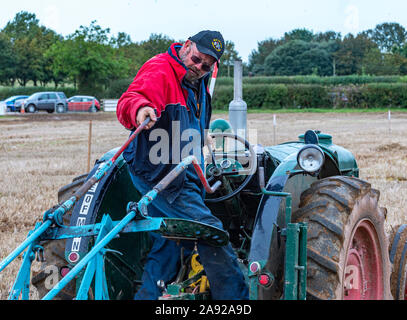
(318, 110)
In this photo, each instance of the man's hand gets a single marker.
(142, 115)
(209, 141)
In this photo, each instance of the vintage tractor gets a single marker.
(302, 223)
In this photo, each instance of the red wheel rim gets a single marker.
(364, 267)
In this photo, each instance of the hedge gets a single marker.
(275, 96)
(272, 96)
(117, 88)
(329, 81)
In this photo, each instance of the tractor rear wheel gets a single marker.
(54, 266)
(398, 253)
(347, 247)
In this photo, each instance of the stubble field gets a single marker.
(40, 153)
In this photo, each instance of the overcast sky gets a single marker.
(245, 22)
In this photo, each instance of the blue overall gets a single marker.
(163, 263)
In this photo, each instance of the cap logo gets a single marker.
(217, 44)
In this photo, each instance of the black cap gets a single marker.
(209, 42)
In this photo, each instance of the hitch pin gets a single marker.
(39, 253)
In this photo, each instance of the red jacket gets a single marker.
(159, 84)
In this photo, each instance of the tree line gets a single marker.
(378, 51)
(91, 58)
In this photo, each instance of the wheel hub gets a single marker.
(363, 271)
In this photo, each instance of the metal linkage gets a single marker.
(181, 167)
(22, 282)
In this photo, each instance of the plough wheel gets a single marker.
(398, 253)
(347, 247)
(51, 270)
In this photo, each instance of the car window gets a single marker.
(61, 95)
(9, 99)
(52, 96)
(43, 97)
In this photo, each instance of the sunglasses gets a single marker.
(205, 67)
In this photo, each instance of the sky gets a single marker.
(245, 22)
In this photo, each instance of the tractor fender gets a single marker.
(270, 217)
(266, 222)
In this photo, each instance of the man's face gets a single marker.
(198, 64)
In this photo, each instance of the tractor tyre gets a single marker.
(398, 253)
(53, 268)
(347, 249)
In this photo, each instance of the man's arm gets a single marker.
(144, 97)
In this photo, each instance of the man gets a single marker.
(172, 89)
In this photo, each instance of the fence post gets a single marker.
(89, 144)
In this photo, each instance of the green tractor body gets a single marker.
(253, 220)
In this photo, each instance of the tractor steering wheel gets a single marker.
(227, 166)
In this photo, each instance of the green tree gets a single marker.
(298, 57)
(22, 33)
(331, 47)
(122, 40)
(155, 44)
(230, 55)
(29, 41)
(265, 48)
(299, 34)
(388, 36)
(351, 52)
(258, 57)
(327, 36)
(136, 54)
(7, 61)
(47, 38)
(380, 63)
(88, 58)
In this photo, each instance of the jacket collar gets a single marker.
(178, 66)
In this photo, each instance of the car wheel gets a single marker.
(31, 108)
(60, 108)
(93, 109)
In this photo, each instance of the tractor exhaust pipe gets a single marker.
(237, 107)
